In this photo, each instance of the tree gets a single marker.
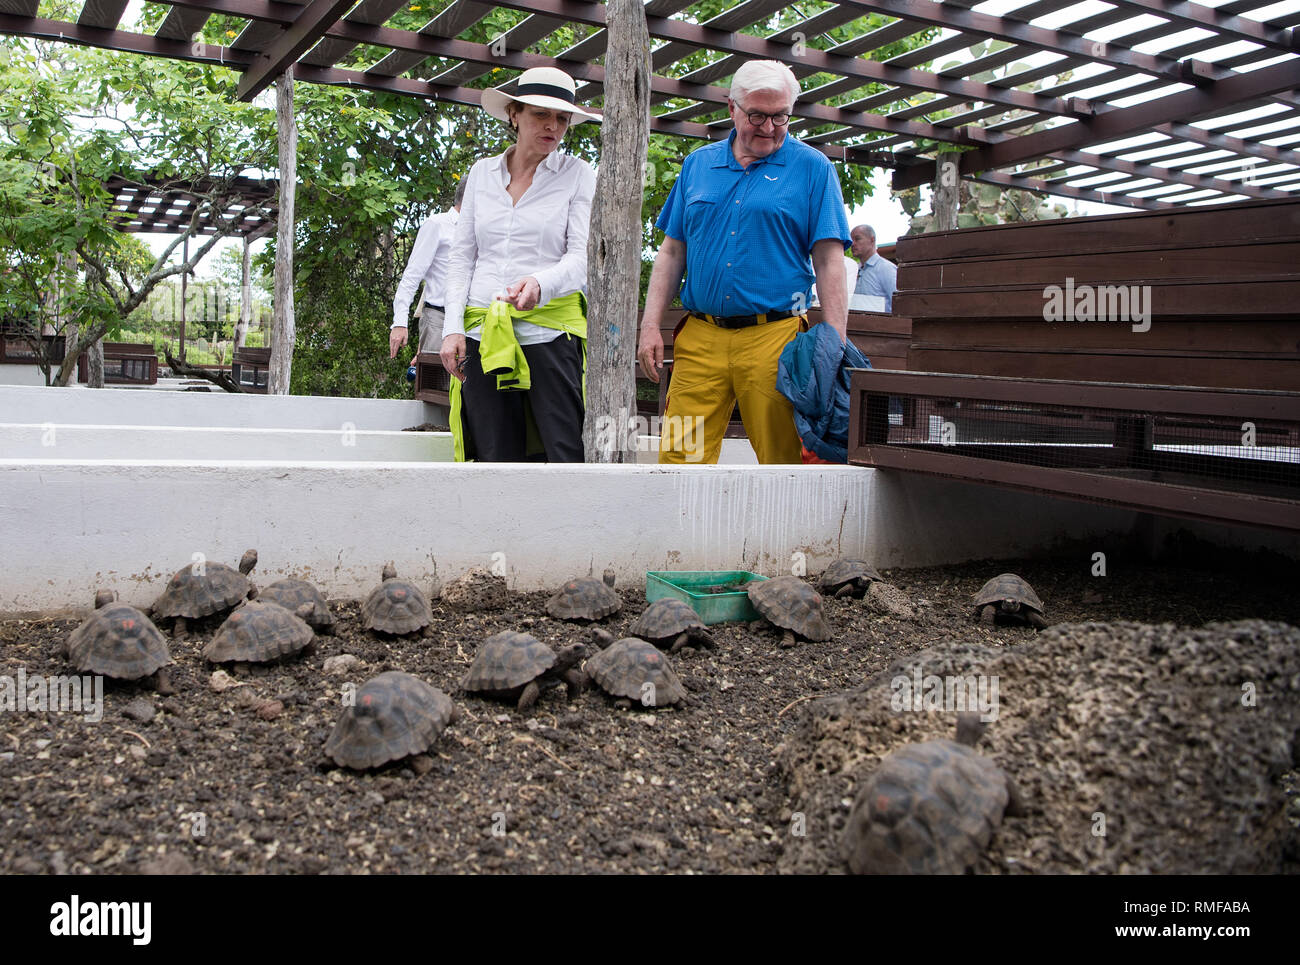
(71, 118)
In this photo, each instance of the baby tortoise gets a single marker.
(395, 715)
(672, 621)
(259, 632)
(202, 589)
(792, 605)
(397, 607)
(293, 593)
(635, 671)
(847, 577)
(516, 666)
(929, 808)
(1008, 595)
(117, 641)
(585, 598)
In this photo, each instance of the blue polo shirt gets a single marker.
(749, 232)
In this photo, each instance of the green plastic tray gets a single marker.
(689, 585)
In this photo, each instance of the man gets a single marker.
(877, 276)
(428, 263)
(741, 222)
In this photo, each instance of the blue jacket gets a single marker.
(814, 375)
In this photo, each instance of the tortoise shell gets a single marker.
(1008, 586)
(636, 670)
(293, 593)
(506, 662)
(928, 809)
(791, 604)
(117, 641)
(845, 571)
(396, 606)
(200, 590)
(395, 715)
(258, 632)
(584, 598)
(666, 619)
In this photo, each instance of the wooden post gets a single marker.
(185, 287)
(947, 193)
(245, 296)
(282, 326)
(614, 246)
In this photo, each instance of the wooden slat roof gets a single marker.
(1130, 102)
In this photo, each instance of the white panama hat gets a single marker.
(547, 87)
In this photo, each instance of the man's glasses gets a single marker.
(758, 117)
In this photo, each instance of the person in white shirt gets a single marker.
(517, 270)
(428, 264)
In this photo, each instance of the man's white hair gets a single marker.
(764, 75)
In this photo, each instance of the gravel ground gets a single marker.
(235, 780)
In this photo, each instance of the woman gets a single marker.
(516, 326)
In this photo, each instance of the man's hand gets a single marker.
(665, 280)
(650, 352)
(396, 339)
(525, 293)
(453, 355)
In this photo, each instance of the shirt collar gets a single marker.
(727, 159)
(551, 162)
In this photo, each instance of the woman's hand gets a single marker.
(525, 293)
(453, 355)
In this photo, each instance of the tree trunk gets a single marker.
(282, 325)
(245, 296)
(95, 364)
(947, 198)
(614, 247)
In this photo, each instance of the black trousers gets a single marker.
(496, 421)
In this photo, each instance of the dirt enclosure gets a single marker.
(1129, 706)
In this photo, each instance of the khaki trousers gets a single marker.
(713, 370)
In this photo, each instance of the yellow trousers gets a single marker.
(713, 370)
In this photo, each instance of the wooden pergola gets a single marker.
(1149, 115)
(155, 205)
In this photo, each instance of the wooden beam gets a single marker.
(1225, 25)
(310, 26)
(1117, 123)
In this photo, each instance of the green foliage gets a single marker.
(69, 119)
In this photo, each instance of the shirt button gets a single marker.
(737, 202)
(729, 263)
(733, 232)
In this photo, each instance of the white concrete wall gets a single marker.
(64, 442)
(86, 525)
(24, 375)
(152, 407)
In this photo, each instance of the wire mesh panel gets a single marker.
(1168, 447)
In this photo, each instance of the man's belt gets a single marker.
(744, 321)
(436, 308)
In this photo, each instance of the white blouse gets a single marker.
(499, 242)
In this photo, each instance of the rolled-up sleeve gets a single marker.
(569, 274)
